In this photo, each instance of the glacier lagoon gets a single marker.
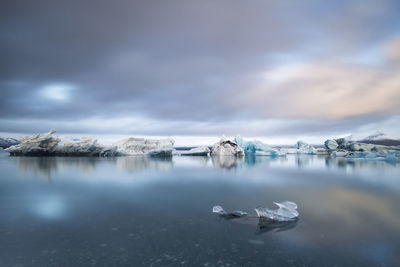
(140, 211)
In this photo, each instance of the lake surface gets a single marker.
(137, 211)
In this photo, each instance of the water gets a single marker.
(147, 212)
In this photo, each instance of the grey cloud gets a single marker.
(182, 63)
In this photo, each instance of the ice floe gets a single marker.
(226, 147)
(236, 213)
(142, 146)
(258, 148)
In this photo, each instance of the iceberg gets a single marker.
(48, 145)
(258, 148)
(141, 146)
(236, 213)
(197, 151)
(390, 155)
(86, 146)
(7, 142)
(331, 144)
(226, 147)
(40, 144)
(287, 211)
(304, 148)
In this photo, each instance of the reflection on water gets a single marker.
(139, 211)
(266, 226)
(47, 166)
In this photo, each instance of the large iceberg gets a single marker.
(287, 211)
(141, 146)
(40, 144)
(258, 148)
(48, 145)
(226, 147)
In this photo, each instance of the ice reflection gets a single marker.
(48, 166)
(227, 162)
(265, 226)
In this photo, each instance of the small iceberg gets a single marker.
(197, 151)
(287, 211)
(258, 148)
(226, 147)
(236, 213)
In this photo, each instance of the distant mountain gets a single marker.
(380, 138)
(7, 142)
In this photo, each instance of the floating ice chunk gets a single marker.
(226, 147)
(142, 146)
(258, 148)
(222, 212)
(331, 144)
(304, 148)
(219, 210)
(286, 212)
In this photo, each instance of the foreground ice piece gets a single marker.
(222, 212)
(226, 147)
(197, 151)
(142, 146)
(258, 148)
(287, 211)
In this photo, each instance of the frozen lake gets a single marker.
(138, 211)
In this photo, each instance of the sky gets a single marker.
(194, 70)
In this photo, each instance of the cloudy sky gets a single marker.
(279, 70)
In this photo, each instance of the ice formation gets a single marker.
(48, 145)
(258, 148)
(226, 147)
(304, 148)
(222, 212)
(287, 211)
(86, 146)
(197, 151)
(331, 144)
(40, 144)
(7, 142)
(142, 146)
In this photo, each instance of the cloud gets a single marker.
(196, 65)
(325, 89)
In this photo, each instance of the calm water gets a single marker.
(145, 212)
